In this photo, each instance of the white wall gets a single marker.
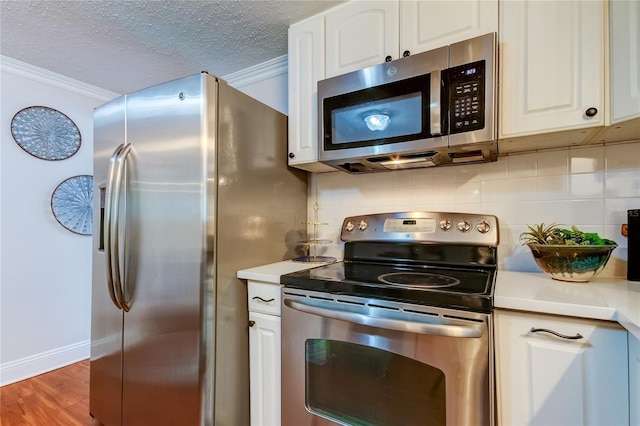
(45, 270)
(266, 82)
(590, 187)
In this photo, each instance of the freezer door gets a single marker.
(106, 318)
(164, 254)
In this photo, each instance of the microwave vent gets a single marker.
(467, 156)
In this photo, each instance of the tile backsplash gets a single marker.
(591, 187)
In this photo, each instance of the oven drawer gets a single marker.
(264, 297)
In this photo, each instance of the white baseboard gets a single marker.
(44, 362)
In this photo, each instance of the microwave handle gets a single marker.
(387, 323)
(435, 105)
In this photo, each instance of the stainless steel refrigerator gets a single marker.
(191, 185)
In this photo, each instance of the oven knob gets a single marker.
(445, 225)
(464, 226)
(362, 225)
(483, 227)
(349, 226)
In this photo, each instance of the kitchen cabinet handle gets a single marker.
(252, 323)
(577, 336)
(591, 112)
(262, 300)
(292, 155)
(388, 58)
(406, 53)
(443, 329)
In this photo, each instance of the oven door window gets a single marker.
(362, 385)
(390, 113)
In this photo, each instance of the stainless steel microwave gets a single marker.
(430, 109)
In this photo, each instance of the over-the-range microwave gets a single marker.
(430, 109)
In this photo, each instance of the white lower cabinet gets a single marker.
(549, 379)
(634, 380)
(264, 353)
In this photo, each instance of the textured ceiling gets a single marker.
(124, 46)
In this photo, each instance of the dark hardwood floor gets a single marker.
(60, 397)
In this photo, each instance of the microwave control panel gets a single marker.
(466, 97)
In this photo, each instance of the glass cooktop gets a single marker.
(456, 288)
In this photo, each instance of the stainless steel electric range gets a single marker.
(400, 331)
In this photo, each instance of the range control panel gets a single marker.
(436, 227)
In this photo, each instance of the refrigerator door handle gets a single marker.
(108, 213)
(120, 164)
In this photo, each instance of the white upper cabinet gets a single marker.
(625, 60)
(552, 66)
(427, 25)
(364, 33)
(306, 68)
(360, 34)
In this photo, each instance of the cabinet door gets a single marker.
(547, 380)
(360, 34)
(426, 25)
(264, 367)
(552, 66)
(306, 67)
(634, 380)
(625, 60)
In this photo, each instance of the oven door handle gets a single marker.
(448, 330)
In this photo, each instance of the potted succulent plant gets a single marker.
(567, 254)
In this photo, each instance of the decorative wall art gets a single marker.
(71, 203)
(45, 133)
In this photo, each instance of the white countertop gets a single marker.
(612, 299)
(271, 273)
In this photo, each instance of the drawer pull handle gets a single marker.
(263, 300)
(555, 333)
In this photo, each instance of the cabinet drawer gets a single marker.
(264, 297)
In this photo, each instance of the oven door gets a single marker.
(356, 361)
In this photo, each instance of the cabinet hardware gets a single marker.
(555, 333)
(388, 58)
(406, 53)
(591, 112)
(252, 323)
(263, 300)
(291, 155)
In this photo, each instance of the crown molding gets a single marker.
(13, 66)
(257, 73)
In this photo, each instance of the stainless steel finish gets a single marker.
(188, 212)
(438, 150)
(424, 226)
(436, 103)
(113, 227)
(334, 310)
(577, 336)
(109, 225)
(469, 395)
(387, 72)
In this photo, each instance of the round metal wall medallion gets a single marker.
(45, 133)
(72, 204)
